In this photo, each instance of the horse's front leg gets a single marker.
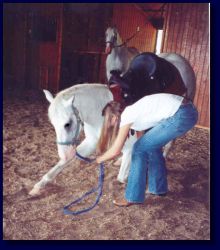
(49, 176)
(88, 145)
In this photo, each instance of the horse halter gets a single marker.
(79, 122)
(113, 40)
(125, 42)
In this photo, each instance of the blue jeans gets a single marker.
(147, 157)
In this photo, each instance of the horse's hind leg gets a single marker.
(126, 159)
(167, 148)
(49, 176)
(125, 167)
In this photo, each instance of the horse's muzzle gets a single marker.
(66, 152)
(108, 48)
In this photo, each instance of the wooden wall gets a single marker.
(127, 17)
(187, 33)
(31, 60)
(83, 58)
(14, 45)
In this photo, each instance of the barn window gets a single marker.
(159, 41)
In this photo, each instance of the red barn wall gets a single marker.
(83, 58)
(127, 17)
(186, 32)
(14, 45)
(29, 62)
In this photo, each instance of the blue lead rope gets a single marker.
(93, 190)
(84, 158)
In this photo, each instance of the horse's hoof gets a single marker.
(35, 191)
(4, 224)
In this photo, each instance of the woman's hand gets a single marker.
(99, 159)
(117, 146)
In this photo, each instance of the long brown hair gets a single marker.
(109, 130)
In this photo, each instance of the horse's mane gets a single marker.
(69, 92)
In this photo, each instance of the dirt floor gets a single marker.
(29, 151)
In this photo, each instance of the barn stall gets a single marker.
(59, 45)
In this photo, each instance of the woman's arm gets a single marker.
(117, 145)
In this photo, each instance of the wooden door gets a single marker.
(44, 48)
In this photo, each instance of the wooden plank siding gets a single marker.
(127, 17)
(32, 58)
(186, 32)
(83, 48)
(14, 45)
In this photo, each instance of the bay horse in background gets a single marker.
(119, 55)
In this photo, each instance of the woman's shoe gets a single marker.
(123, 203)
(163, 195)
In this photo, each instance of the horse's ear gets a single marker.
(108, 24)
(114, 26)
(48, 95)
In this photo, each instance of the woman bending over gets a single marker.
(167, 116)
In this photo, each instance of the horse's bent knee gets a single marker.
(87, 146)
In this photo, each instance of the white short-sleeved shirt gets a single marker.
(150, 110)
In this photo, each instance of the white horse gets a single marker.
(88, 100)
(119, 55)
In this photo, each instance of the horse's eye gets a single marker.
(67, 125)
